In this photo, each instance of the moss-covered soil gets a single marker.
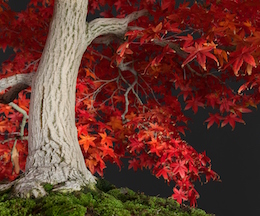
(106, 200)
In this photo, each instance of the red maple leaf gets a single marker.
(86, 141)
(179, 195)
(245, 54)
(163, 172)
(214, 118)
(200, 51)
(134, 164)
(180, 168)
(106, 139)
(231, 119)
(194, 103)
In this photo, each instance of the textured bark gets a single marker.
(54, 155)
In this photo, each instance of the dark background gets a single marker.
(234, 154)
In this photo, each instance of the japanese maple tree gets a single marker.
(112, 87)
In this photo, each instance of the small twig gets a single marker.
(32, 63)
(124, 67)
(25, 116)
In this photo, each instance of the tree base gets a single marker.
(31, 184)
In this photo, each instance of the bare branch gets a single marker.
(117, 26)
(173, 46)
(107, 39)
(112, 37)
(97, 91)
(32, 63)
(25, 116)
(124, 67)
(18, 83)
(16, 79)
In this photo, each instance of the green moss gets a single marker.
(104, 185)
(16, 207)
(105, 200)
(58, 204)
(48, 187)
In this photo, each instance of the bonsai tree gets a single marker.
(111, 87)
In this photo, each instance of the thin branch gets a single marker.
(96, 92)
(124, 67)
(32, 63)
(173, 46)
(14, 138)
(151, 90)
(25, 116)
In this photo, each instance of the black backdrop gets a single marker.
(234, 154)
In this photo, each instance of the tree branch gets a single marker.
(16, 79)
(117, 26)
(106, 39)
(173, 46)
(125, 67)
(111, 37)
(17, 83)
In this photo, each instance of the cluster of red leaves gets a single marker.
(188, 53)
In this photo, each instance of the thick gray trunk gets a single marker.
(54, 154)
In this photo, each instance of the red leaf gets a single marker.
(106, 150)
(244, 110)
(158, 28)
(135, 145)
(122, 48)
(179, 195)
(106, 139)
(249, 59)
(179, 167)
(214, 118)
(231, 119)
(237, 64)
(86, 141)
(212, 99)
(134, 164)
(194, 103)
(200, 50)
(163, 172)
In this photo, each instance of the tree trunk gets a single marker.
(54, 154)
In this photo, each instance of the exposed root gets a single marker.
(7, 186)
(28, 188)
